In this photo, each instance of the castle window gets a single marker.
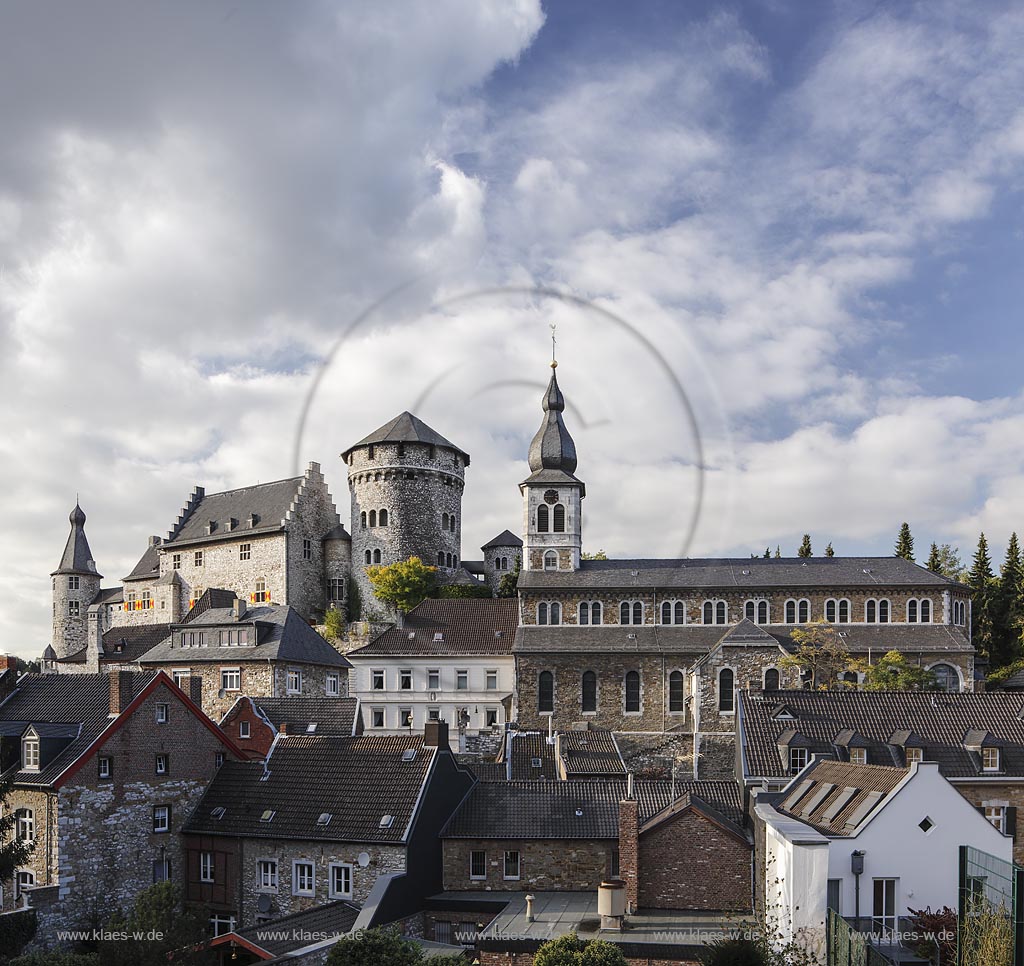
(244, 551)
(362, 520)
(679, 612)
(74, 608)
(431, 452)
(440, 558)
(926, 611)
(771, 679)
(332, 685)
(450, 559)
(631, 687)
(798, 611)
(147, 600)
(401, 450)
(369, 452)
(542, 519)
(383, 518)
(555, 613)
(946, 678)
(376, 556)
(74, 582)
(230, 678)
(871, 611)
(307, 549)
(293, 681)
(451, 523)
(676, 696)
(176, 561)
(551, 560)
(444, 521)
(373, 518)
(161, 818)
(369, 557)
(726, 692)
(197, 558)
(589, 692)
(545, 692)
(559, 518)
(336, 588)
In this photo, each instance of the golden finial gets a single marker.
(554, 361)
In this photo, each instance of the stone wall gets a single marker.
(1009, 794)
(42, 863)
(70, 632)
(748, 665)
(491, 555)
(567, 544)
(572, 865)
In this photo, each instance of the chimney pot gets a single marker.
(120, 691)
(240, 607)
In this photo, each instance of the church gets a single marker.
(632, 645)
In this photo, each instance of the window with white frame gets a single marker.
(243, 729)
(105, 767)
(161, 870)
(946, 678)
(590, 612)
(206, 867)
(462, 680)
(26, 880)
(221, 924)
(162, 714)
(756, 611)
(405, 679)
(551, 560)
(25, 825)
(858, 756)
(266, 875)
(377, 717)
(332, 685)
(511, 864)
(245, 551)
(919, 610)
(405, 717)
(996, 814)
(377, 679)
(294, 681)
(303, 880)
(837, 611)
(673, 612)
(161, 818)
(160, 764)
(913, 754)
(714, 612)
(631, 612)
(30, 753)
(340, 875)
(797, 760)
(491, 717)
(477, 864)
(990, 759)
(433, 679)
(491, 680)
(230, 678)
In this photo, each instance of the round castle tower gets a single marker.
(76, 583)
(406, 483)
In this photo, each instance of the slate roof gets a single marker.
(739, 573)
(134, 640)
(588, 753)
(838, 798)
(552, 455)
(148, 566)
(486, 771)
(406, 428)
(939, 723)
(527, 747)
(504, 539)
(469, 626)
(355, 780)
(547, 810)
(81, 701)
(288, 933)
(282, 636)
(338, 532)
(269, 501)
(214, 598)
(332, 716)
(109, 595)
(77, 557)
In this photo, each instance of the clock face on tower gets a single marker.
(551, 496)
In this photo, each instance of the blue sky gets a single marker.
(812, 211)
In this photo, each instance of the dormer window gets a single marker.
(797, 760)
(30, 753)
(990, 759)
(914, 755)
(858, 756)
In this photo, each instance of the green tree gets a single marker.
(893, 672)
(820, 655)
(805, 547)
(778, 551)
(166, 927)
(403, 584)
(905, 543)
(600, 555)
(508, 586)
(734, 951)
(945, 560)
(981, 581)
(829, 552)
(14, 852)
(1007, 610)
(767, 553)
(570, 950)
(334, 623)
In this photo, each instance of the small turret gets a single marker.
(76, 582)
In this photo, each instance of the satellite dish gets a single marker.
(263, 904)
(363, 859)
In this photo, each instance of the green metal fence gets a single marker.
(990, 913)
(849, 947)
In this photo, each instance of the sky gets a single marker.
(781, 243)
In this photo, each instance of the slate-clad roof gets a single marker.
(487, 771)
(356, 780)
(332, 716)
(940, 724)
(288, 933)
(338, 532)
(552, 454)
(81, 701)
(504, 539)
(406, 428)
(468, 626)
(699, 639)
(214, 598)
(837, 798)
(77, 557)
(547, 810)
(740, 573)
(589, 753)
(282, 636)
(148, 566)
(269, 501)
(134, 640)
(110, 595)
(529, 747)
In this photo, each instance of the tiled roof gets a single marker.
(332, 716)
(134, 640)
(589, 753)
(837, 798)
(81, 656)
(148, 566)
(288, 933)
(529, 748)
(214, 598)
(406, 428)
(357, 781)
(467, 626)
(78, 700)
(269, 501)
(282, 636)
(939, 723)
(736, 574)
(109, 595)
(504, 539)
(487, 771)
(548, 810)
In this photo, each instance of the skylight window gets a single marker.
(861, 811)
(535, 763)
(324, 819)
(438, 637)
(409, 754)
(838, 803)
(218, 813)
(268, 815)
(311, 727)
(386, 821)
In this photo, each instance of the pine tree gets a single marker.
(1007, 606)
(778, 552)
(905, 543)
(829, 552)
(980, 579)
(934, 563)
(805, 547)
(767, 553)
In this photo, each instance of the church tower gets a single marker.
(552, 496)
(76, 583)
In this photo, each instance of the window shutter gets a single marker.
(1011, 821)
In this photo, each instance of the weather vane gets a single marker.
(554, 362)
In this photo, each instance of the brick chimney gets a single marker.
(8, 674)
(435, 735)
(192, 685)
(120, 691)
(629, 845)
(239, 607)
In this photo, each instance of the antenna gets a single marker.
(554, 361)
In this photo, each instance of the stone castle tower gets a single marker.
(76, 583)
(406, 482)
(552, 496)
